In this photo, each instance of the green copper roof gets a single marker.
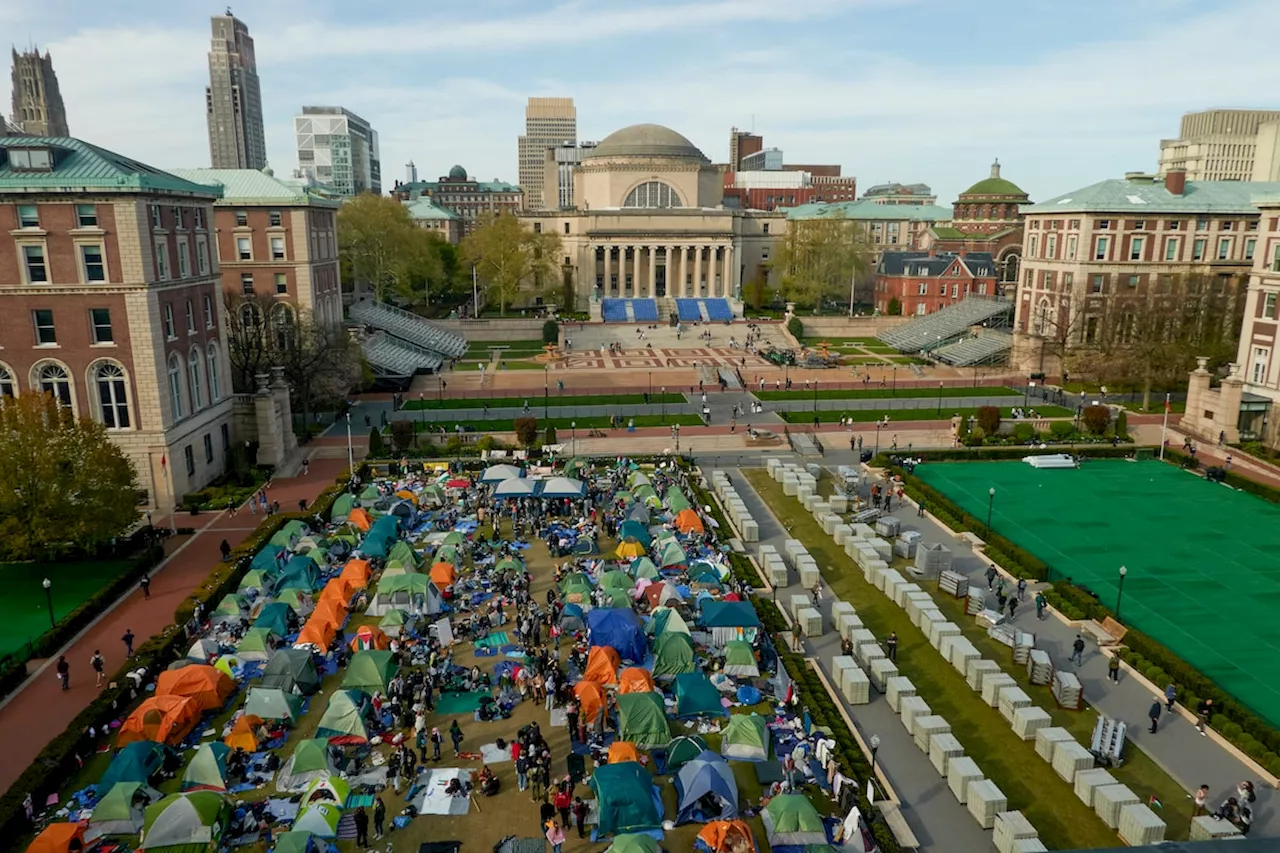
(868, 210)
(1147, 195)
(947, 232)
(252, 186)
(414, 188)
(424, 208)
(79, 166)
(995, 186)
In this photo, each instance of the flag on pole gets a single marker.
(164, 460)
(1155, 803)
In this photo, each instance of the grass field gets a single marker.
(1203, 578)
(909, 415)
(886, 393)
(26, 609)
(1031, 785)
(536, 400)
(515, 349)
(563, 425)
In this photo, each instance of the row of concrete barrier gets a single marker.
(733, 505)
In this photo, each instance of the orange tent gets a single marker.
(687, 520)
(727, 836)
(59, 838)
(329, 610)
(318, 632)
(602, 665)
(338, 589)
(163, 719)
(621, 750)
(244, 734)
(633, 679)
(207, 686)
(360, 518)
(590, 698)
(369, 637)
(357, 573)
(443, 574)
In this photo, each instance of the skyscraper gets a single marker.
(37, 103)
(337, 147)
(548, 122)
(233, 100)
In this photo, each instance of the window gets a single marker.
(208, 447)
(215, 386)
(86, 216)
(1133, 281)
(1173, 225)
(30, 160)
(246, 283)
(922, 289)
(177, 217)
(162, 262)
(226, 437)
(1197, 250)
(243, 249)
(28, 216)
(184, 262)
(190, 457)
(208, 312)
(537, 228)
(193, 375)
(242, 218)
(1066, 280)
(95, 269)
(1260, 357)
(46, 336)
(1035, 245)
(282, 283)
(1099, 281)
(1202, 225)
(175, 386)
(1051, 247)
(1171, 248)
(55, 381)
(198, 216)
(1100, 249)
(191, 318)
(155, 216)
(1104, 224)
(1139, 225)
(100, 325)
(168, 323)
(8, 388)
(282, 316)
(1071, 248)
(37, 272)
(1224, 248)
(113, 402)
(1135, 249)
(1090, 330)
(273, 218)
(653, 194)
(1275, 259)
(277, 248)
(1249, 246)
(202, 257)
(250, 316)
(1225, 225)
(566, 228)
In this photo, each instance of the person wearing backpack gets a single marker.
(99, 665)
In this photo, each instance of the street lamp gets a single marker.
(939, 398)
(675, 430)
(573, 432)
(546, 391)
(351, 458)
(874, 743)
(893, 390)
(664, 403)
(48, 597)
(1119, 594)
(991, 502)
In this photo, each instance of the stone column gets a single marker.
(730, 273)
(697, 270)
(653, 271)
(635, 266)
(604, 289)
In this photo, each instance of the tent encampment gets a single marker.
(163, 719)
(184, 823)
(790, 819)
(635, 679)
(370, 671)
(258, 644)
(621, 630)
(137, 762)
(703, 784)
(246, 733)
(745, 738)
(642, 719)
(683, 748)
(344, 720)
(725, 836)
(120, 811)
(673, 655)
(208, 687)
(369, 638)
(627, 799)
(272, 703)
(291, 670)
(696, 696)
(310, 761)
(320, 819)
(59, 838)
(208, 768)
(602, 665)
(740, 660)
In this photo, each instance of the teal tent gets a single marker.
(208, 768)
(664, 620)
(265, 560)
(696, 696)
(276, 617)
(672, 555)
(300, 572)
(642, 719)
(293, 671)
(643, 567)
(634, 530)
(683, 748)
(342, 507)
(370, 671)
(135, 762)
(626, 797)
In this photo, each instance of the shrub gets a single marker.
(895, 307)
(1122, 423)
(376, 448)
(1061, 430)
(486, 443)
(550, 436)
(976, 436)
(795, 327)
(989, 419)
(551, 332)
(402, 435)
(1024, 433)
(1096, 419)
(962, 430)
(527, 430)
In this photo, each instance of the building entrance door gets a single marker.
(660, 280)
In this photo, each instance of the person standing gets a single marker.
(1013, 606)
(1170, 694)
(64, 672)
(1113, 669)
(555, 836)
(1201, 798)
(1204, 711)
(1077, 651)
(991, 576)
(580, 816)
(362, 827)
(379, 817)
(455, 735)
(99, 665)
(1041, 604)
(562, 802)
(891, 645)
(1157, 705)
(436, 740)
(127, 639)
(522, 772)
(1022, 589)
(145, 583)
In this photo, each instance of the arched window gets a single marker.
(250, 316)
(8, 388)
(53, 379)
(194, 369)
(208, 312)
(1011, 267)
(282, 321)
(215, 387)
(653, 194)
(113, 400)
(175, 386)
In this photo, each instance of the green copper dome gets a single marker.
(995, 186)
(458, 173)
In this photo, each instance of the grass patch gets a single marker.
(1031, 785)
(811, 341)
(910, 415)
(563, 425)
(26, 606)
(536, 399)
(884, 393)
(483, 349)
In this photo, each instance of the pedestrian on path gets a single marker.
(379, 817)
(991, 576)
(1077, 651)
(99, 665)
(1041, 604)
(1113, 669)
(1203, 712)
(127, 639)
(306, 468)
(455, 735)
(145, 583)
(891, 645)
(1157, 705)
(1022, 589)
(1013, 606)
(225, 548)
(64, 672)
(1170, 694)
(1201, 797)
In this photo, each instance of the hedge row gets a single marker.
(63, 755)
(1247, 731)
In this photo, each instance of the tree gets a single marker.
(64, 484)
(989, 419)
(402, 435)
(894, 307)
(376, 449)
(1122, 424)
(551, 332)
(380, 246)
(820, 258)
(510, 257)
(550, 436)
(526, 430)
(1096, 419)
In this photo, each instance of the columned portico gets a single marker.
(710, 273)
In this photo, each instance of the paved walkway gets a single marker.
(39, 710)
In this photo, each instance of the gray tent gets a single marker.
(272, 703)
(293, 671)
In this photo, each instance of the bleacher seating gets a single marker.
(392, 357)
(943, 325)
(687, 310)
(645, 310)
(718, 310)
(985, 348)
(703, 310)
(409, 328)
(613, 310)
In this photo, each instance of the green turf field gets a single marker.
(26, 610)
(1204, 577)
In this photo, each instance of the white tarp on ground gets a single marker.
(491, 753)
(435, 801)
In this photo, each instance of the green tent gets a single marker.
(638, 478)
(120, 812)
(672, 555)
(297, 599)
(333, 789)
(746, 738)
(230, 605)
(208, 768)
(272, 703)
(344, 718)
(370, 671)
(575, 582)
(683, 748)
(673, 655)
(253, 579)
(295, 841)
(625, 795)
(575, 465)
(257, 644)
(454, 538)
(410, 582)
(696, 696)
(676, 501)
(320, 819)
(643, 567)
(642, 719)
(791, 820)
(292, 670)
(633, 842)
(370, 493)
(740, 660)
(404, 553)
(664, 620)
(447, 554)
(186, 823)
(509, 564)
(265, 560)
(392, 622)
(617, 598)
(342, 507)
(616, 580)
(310, 761)
(285, 534)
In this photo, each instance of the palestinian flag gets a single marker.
(1154, 802)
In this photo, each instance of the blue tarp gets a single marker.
(706, 774)
(620, 629)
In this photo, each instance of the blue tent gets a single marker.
(275, 618)
(696, 696)
(135, 762)
(706, 774)
(728, 614)
(300, 572)
(620, 629)
(632, 529)
(381, 536)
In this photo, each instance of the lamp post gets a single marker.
(1119, 594)
(663, 391)
(893, 389)
(48, 597)
(879, 426)
(675, 432)
(151, 528)
(351, 457)
(939, 398)
(874, 743)
(546, 391)
(991, 503)
(573, 432)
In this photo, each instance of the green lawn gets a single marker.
(909, 415)
(483, 349)
(1031, 785)
(881, 393)
(564, 425)
(26, 608)
(535, 399)
(811, 341)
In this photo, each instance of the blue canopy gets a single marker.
(620, 629)
(728, 614)
(135, 762)
(706, 774)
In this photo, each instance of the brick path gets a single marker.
(40, 711)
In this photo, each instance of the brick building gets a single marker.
(468, 198)
(276, 236)
(924, 282)
(110, 288)
(987, 217)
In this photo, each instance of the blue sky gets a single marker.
(1065, 94)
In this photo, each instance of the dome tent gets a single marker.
(272, 703)
(602, 665)
(635, 679)
(621, 630)
(790, 819)
(627, 797)
(293, 671)
(120, 811)
(208, 769)
(298, 841)
(707, 776)
(181, 823)
(696, 696)
(310, 761)
(344, 720)
(208, 687)
(745, 738)
(634, 842)
(642, 719)
(726, 836)
(571, 619)
(58, 838)
(137, 762)
(370, 671)
(331, 789)
(164, 719)
(682, 749)
(740, 660)
(320, 819)
(278, 617)
(673, 655)
(643, 567)
(257, 644)
(664, 620)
